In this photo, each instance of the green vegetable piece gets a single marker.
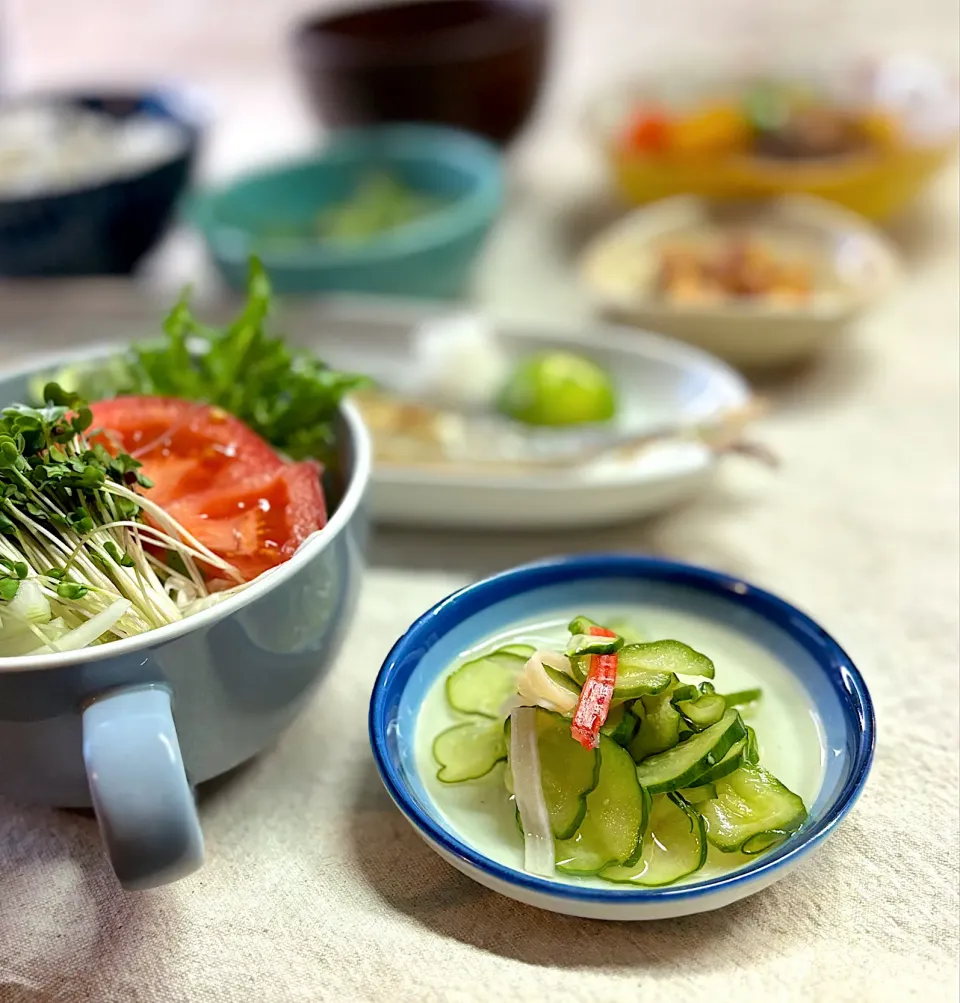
(523, 651)
(580, 667)
(562, 679)
(582, 625)
(588, 644)
(685, 764)
(469, 751)
(558, 388)
(703, 711)
(666, 656)
(702, 792)
(766, 106)
(659, 728)
(379, 204)
(742, 697)
(635, 677)
(735, 757)
(751, 754)
(288, 397)
(633, 682)
(683, 691)
(752, 812)
(482, 685)
(621, 725)
(612, 829)
(674, 846)
(568, 771)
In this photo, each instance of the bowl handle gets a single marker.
(138, 785)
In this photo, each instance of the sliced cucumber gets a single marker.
(469, 751)
(742, 697)
(704, 711)
(702, 792)
(562, 679)
(685, 764)
(482, 685)
(523, 651)
(752, 812)
(733, 760)
(581, 625)
(666, 656)
(621, 725)
(633, 682)
(588, 644)
(568, 771)
(683, 691)
(751, 754)
(659, 726)
(612, 829)
(580, 666)
(674, 846)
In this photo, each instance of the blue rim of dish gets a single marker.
(449, 612)
(476, 207)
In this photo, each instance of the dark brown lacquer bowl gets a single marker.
(474, 64)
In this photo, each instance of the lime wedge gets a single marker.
(558, 388)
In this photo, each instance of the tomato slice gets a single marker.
(217, 478)
(184, 447)
(256, 523)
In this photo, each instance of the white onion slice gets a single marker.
(88, 631)
(538, 848)
(29, 605)
(556, 660)
(535, 686)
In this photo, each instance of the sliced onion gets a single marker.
(88, 631)
(29, 605)
(535, 686)
(24, 641)
(538, 848)
(556, 660)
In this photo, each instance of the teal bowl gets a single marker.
(431, 256)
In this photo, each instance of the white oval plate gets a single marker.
(660, 382)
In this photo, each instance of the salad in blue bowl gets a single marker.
(621, 737)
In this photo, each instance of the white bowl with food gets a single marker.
(759, 284)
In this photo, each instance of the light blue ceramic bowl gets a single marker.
(541, 591)
(430, 257)
(131, 726)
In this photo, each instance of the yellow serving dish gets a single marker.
(876, 183)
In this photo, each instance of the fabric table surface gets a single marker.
(317, 889)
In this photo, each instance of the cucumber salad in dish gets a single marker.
(622, 759)
(160, 481)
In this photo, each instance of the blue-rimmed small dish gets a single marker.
(833, 692)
